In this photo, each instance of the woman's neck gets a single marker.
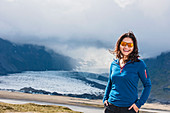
(122, 61)
(125, 58)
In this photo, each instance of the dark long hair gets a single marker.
(133, 56)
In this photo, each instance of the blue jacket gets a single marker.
(122, 87)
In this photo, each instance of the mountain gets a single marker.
(159, 71)
(17, 58)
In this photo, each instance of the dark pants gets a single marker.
(115, 109)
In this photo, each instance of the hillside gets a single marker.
(159, 70)
(17, 58)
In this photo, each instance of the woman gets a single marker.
(121, 93)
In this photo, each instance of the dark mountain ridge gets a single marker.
(17, 58)
(159, 71)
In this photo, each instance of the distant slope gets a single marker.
(159, 70)
(17, 58)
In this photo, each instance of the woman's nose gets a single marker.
(126, 46)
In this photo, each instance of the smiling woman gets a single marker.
(121, 94)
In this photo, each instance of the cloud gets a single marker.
(155, 9)
(93, 59)
(73, 27)
(50, 18)
(124, 3)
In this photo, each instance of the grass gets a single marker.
(34, 108)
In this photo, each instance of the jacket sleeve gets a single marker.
(108, 87)
(144, 77)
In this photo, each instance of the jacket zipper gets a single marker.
(121, 68)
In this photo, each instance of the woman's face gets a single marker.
(126, 46)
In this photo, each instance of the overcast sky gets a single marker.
(86, 29)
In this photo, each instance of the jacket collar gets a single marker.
(117, 61)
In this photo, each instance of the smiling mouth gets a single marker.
(126, 50)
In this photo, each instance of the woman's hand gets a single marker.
(106, 103)
(134, 107)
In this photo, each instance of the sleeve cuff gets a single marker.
(138, 104)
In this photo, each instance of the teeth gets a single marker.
(126, 50)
